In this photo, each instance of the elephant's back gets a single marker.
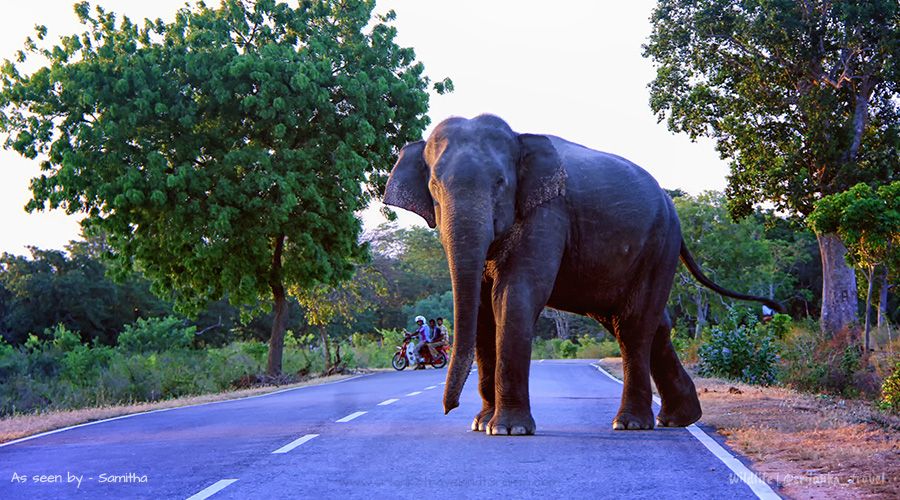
(606, 185)
(621, 218)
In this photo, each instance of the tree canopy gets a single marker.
(868, 220)
(225, 153)
(800, 97)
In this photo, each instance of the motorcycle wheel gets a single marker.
(399, 362)
(441, 361)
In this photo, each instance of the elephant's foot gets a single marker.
(680, 413)
(511, 423)
(481, 420)
(631, 421)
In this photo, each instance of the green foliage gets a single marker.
(585, 347)
(64, 339)
(890, 391)
(740, 349)
(868, 222)
(735, 255)
(54, 287)
(223, 154)
(799, 96)
(57, 374)
(326, 304)
(156, 335)
(432, 307)
(815, 362)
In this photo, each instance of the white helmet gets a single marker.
(420, 318)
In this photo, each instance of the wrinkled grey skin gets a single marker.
(534, 220)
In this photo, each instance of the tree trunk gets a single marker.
(883, 297)
(562, 325)
(701, 314)
(870, 277)
(560, 321)
(326, 348)
(839, 303)
(279, 322)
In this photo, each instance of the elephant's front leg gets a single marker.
(486, 356)
(516, 313)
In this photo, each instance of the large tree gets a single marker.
(224, 153)
(800, 96)
(868, 220)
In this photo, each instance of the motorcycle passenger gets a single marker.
(442, 332)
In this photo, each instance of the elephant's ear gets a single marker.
(407, 187)
(541, 174)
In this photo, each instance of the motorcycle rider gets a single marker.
(424, 335)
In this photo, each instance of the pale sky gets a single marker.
(570, 68)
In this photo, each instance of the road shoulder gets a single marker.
(22, 426)
(810, 447)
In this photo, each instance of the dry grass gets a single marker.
(811, 446)
(20, 426)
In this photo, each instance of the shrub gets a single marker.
(592, 348)
(686, 347)
(890, 391)
(813, 362)
(63, 339)
(82, 364)
(156, 335)
(740, 349)
(585, 347)
(12, 362)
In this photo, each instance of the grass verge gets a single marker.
(19, 426)
(810, 446)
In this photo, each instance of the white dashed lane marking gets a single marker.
(430, 387)
(212, 489)
(351, 416)
(295, 443)
(414, 393)
(388, 402)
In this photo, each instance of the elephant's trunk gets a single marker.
(466, 253)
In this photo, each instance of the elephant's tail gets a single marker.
(692, 266)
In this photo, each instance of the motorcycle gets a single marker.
(406, 354)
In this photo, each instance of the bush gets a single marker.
(592, 348)
(890, 391)
(584, 347)
(740, 349)
(686, 347)
(813, 362)
(156, 335)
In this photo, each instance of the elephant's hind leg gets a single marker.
(680, 405)
(635, 411)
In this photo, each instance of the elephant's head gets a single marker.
(474, 180)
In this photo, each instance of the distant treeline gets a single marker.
(764, 255)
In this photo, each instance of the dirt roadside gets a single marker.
(19, 426)
(809, 446)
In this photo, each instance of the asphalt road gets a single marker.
(402, 446)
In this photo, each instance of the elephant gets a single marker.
(529, 221)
